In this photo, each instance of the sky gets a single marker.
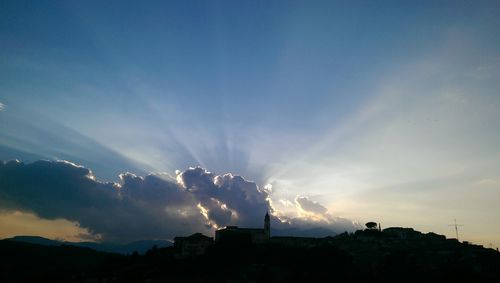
(334, 113)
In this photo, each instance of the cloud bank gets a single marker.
(308, 205)
(150, 207)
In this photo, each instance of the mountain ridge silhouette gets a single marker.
(140, 246)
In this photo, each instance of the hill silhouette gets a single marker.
(137, 246)
(27, 262)
(392, 255)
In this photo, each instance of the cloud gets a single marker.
(138, 208)
(310, 214)
(150, 207)
(308, 205)
(2, 106)
(229, 198)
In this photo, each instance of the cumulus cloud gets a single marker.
(154, 206)
(2, 106)
(138, 208)
(308, 205)
(229, 198)
(309, 215)
(150, 207)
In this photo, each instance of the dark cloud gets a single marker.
(155, 206)
(230, 199)
(141, 208)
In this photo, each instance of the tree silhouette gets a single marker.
(371, 225)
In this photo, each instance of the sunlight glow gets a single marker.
(17, 223)
(204, 212)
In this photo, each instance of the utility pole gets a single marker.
(456, 227)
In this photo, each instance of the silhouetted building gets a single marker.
(304, 242)
(193, 245)
(434, 236)
(402, 233)
(241, 236)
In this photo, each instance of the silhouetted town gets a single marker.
(197, 244)
(238, 254)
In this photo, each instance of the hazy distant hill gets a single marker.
(138, 246)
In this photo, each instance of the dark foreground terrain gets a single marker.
(400, 255)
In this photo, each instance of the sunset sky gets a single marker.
(334, 113)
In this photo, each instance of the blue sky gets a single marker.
(376, 109)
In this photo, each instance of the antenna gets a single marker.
(456, 227)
